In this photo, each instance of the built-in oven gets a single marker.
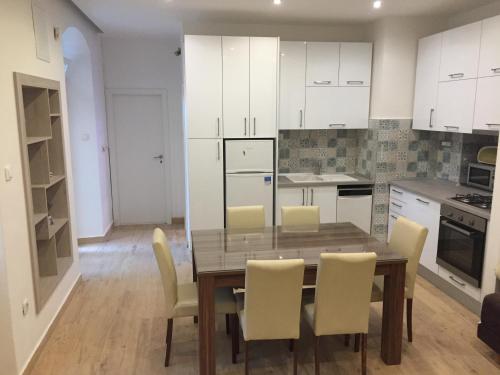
(481, 176)
(462, 238)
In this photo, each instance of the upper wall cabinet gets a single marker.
(489, 58)
(460, 55)
(203, 86)
(355, 64)
(263, 86)
(487, 113)
(292, 84)
(322, 64)
(250, 74)
(236, 86)
(426, 83)
(456, 106)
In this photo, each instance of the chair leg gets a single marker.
(347, 340)
(235, 338)
(316, 355)
(356, 343)
(409, 318)
(170, 328)
(295, 355)
(228, 328)
(247, 344)
(195, 319)
(364, 342)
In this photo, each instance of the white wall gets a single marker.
(150, 63)
(18, 54)
(88, 146)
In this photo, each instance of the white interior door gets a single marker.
(139, 164)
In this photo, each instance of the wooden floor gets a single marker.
(114, 324)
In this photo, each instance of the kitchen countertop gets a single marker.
(285, 182)
(441, 191)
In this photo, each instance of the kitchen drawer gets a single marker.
(398, 207)
(399, 194)
(458, 283)
(419, 203)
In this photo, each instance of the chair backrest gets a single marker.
(166, 265)
(408, 239)
(343, 293)
(299, 216)
(245, 217)
(273, 299)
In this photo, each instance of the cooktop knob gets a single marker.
(461, 218)
(450, 214)
(471, 223)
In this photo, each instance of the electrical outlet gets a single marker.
(25, 307)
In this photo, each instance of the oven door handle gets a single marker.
(458, 229)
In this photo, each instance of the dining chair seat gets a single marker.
(187, 301)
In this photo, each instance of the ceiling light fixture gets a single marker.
(277, 2)
(377, 4)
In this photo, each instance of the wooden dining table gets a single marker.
(220, 257)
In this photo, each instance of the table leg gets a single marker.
(206, 324)
(392, 319)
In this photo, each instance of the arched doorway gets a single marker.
(87, 153)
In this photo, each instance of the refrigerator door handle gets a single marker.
(303, 197)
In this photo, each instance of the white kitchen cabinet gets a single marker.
(236, 86)
(426, 82)
(460, 54)
(489, 57)
(292, 85)
(203, 86)
(323, 196)
(487, 111)
(456, 100)
(457, 282)
(326, 198)
(290, 197)
(390, 226)
(337, 107)
(322, 64)
(206, 190)
(355, 64)
(263, 87)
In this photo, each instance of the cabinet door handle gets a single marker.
(456, 75)
(245, 126)
(397, 205)
(303, 197)
(355, 82)
(218, 151)
(254, 126)
(452, 127)
(218, 126)
(495, 70)
(456, 281)
(422, 201)
(322, 82)
(334, 125)
(430, 118)
(397, 191)
(491, 124)
(394, 217)
(312, 197)
(301, 115)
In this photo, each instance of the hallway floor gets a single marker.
(114, 324)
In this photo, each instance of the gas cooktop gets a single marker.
(476, 200)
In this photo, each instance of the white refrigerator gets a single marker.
(249, 174)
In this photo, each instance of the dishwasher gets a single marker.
(354, 205)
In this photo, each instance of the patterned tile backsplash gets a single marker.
(388, 150)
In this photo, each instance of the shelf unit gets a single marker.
(44, 170)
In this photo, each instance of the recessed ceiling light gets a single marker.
(377, 4)
(277, 2)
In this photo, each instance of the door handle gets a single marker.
(452, 127)
(322, 82)
(355, 82)
(254, 126)
(159, 157)
(333, 125)
(218, 126)
(218, 151)
(245, 126)
(303, 197)
(430, 118)
(456, 281)
(456, 75)
(422, 201)
(312, 197)
(301, 115)
(397, 205)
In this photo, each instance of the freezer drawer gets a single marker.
(355, 209)
(249, 156)
(250, 190)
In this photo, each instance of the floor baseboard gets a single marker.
(93, 240)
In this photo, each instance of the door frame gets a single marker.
(167, 142)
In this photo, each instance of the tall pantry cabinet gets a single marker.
(230, 91)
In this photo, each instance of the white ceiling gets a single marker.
(166, 16)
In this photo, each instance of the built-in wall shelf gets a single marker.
(44, 171)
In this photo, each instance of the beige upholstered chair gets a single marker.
(245, 217)
(292, 216)
(342, 300)
(270, 311)
(408, 239)
(182, 299)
